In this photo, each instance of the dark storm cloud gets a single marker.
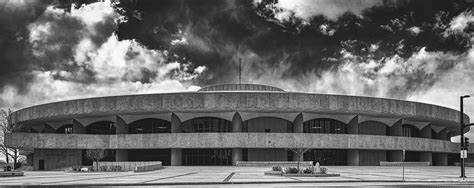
(14, 56)
(221, 32)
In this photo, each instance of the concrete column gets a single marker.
(77, 128)
(353, 126)
(396, 129)
(176, 157)
(298, 124)
(176, 126)
(120, 126)
(353, 157)
(440, 159)
(236, 155)
(426, 132)
(237, 123)
(395, 156)
(121, 155)
(426, 157)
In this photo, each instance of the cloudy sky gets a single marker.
(419, 50)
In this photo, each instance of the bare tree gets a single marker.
(299, 154)
(96, 155)
(8, 126)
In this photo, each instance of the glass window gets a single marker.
(324, 126)
(207, 124)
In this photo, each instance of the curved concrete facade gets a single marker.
(253, 120)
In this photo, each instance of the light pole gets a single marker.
(461, 120)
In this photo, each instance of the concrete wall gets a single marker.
(54, 158)
(227, 140)
(266, 154)
(275, 125)
(240, 102)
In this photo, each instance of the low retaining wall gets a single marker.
(148, 168)
(387, 163)
(274, 163)
(129, 165)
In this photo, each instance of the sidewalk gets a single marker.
(205, 175)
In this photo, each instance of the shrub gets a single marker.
(276, 168)
(103, 168)
(76, 168)
(324, 170)
(291, 170)
(309, 170)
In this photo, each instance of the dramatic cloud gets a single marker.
(78, 55)
(332, 9)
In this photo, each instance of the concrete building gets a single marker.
(223, 124)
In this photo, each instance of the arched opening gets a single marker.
(372, 128)
(101, 127)
(267, 124)
(149, 125)
(65, 129)
(324, 125)
(207, 124)
(410, 131)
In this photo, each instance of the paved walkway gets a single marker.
(236, 175)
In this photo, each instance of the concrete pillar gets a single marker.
(395, 156)
(440, 159)
(121, 155)
(298, 124)
(426, 157)
(426, 132)
(120, 126)
(176, 126)
(396, 129)
(353, 157)
(237, 123)
(78, 128)
(236, 155)
(176, 157)
(353, 126)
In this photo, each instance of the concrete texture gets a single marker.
(227, 140)
(205, 176)
(240, 87)
(203, 102)
(128, 165)
(54, 159)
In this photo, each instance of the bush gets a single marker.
(291, 170)
(76, 168)
(276, 168)
(324, 170)
(309, 170)
(103, 168)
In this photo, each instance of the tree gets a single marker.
(8, 126)
(299, 154)
(95, 155)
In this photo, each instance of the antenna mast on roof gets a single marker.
(240, 71)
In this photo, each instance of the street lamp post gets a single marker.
(461, 120)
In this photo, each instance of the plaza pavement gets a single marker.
(235, 176)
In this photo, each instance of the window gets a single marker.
(207, 124)
(68, 130)
(267, 130)
(324, 126)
